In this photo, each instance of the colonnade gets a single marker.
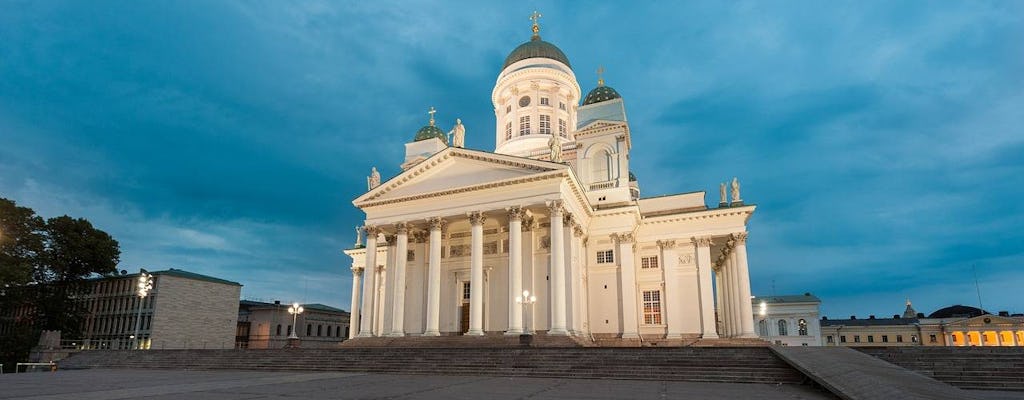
(999, 337)
(733, 283)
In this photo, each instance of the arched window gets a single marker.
(763, 327)
(783, 331)
(319, 330)
(329, 330)
(601, 166)
(309, 329)
(802, 328)
(278, 329)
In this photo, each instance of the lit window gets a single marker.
(545, 124)
(562, 131)
(544, 101)
(606, 256)
(802, 327)
(649, 262)
(524, 125)
(652, 307)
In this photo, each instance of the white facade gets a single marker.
(458, 234)
(792, 320)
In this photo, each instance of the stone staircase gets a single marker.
(490, 340)
(994, 368)
(713, 364)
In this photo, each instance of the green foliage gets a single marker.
(22, 241)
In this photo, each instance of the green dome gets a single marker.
(632, 178)
(430, 131)
(536, 48)
(599, 94)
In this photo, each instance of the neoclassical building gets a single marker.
(554, 210)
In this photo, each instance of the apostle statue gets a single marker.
(556, 149)
(359, 237)
(458, 134)
(735, 190)
(373, 180)
(721, 192)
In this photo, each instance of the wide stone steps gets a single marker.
(753, 365)
(997, 368)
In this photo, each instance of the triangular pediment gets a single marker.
(988, 319)
(599, 124)
(456, 168)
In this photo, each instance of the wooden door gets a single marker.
(464, 311)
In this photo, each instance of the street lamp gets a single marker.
(142, 287)
(295, 309)
(526, 300)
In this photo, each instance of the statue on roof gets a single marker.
(556, 149)
(736, 190)
(373, 180)
(721, 192)
(458, 134)
(359, 237)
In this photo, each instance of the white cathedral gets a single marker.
(454, 240)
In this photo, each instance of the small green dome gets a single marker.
(431, 131)
(536, 48)
(601, 93)
(632, 178)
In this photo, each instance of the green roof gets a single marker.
(430, 131)
(599, 94)
(536, 48)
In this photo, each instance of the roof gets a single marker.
(430, 131)
(957, 311)
(310, 306)
(869, 322)
(536, 48)
(601, 93)
(173, 272)
(794, 298)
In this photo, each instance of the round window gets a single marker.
(524, 101)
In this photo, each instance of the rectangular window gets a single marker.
(932, 339)
(524, 125)
(871, 339)
(842, 339)
(465, 291)
(899, 338)
(508, 108)
(544, 101)
(649, 262)
(831, 339)
(562, 131)
(561, 106)
(491, 248)
(885, 338)
(652, 307)
(508, 131)
(604, 257)
(856, 338)
(545, 124)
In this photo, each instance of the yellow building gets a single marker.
(950, 326)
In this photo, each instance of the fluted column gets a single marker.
(401, 257)
(515, 270)
(719, 301)
(353, 321)
(728, 294)
(476, 274)
(434, 279)
(557, 275)
(627, 284)
(707, 302)
(673, 298)
(744, 277)
(577, 297)
(366, 327)
(567, 281)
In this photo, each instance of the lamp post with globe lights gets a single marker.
(764, 320)
(142, 287)
(527, 300)
(295, 309)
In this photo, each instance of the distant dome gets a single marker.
(957, 311)
(536, 48)
(431, 131)
(601, 93)
(632, 178)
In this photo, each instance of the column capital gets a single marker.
(391, 239)
(740, 238)
(666, 244)
(529, 224)
(402, 228)
(619, 238)
(380, 268)
(371, 231)
(476, 217)
(577, 230)
(555, 206)
(702, 241)
(436, 223)
(357, 271)
(516, 213)
(420, 236)
(567, 219)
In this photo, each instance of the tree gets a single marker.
(22, 236)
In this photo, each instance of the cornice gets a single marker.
(472, 188)
(700, 215)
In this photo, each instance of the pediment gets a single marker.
(456, 168)
(988, 319)
(600, 124)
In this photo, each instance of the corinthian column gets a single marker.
(673, 298)
(401, 256)
(353, 321)
(743, 273)
(366, 328)
(627, 284)
(557, 240)
(476, 274)
(434, 279)
(707, 301)
(515, 270)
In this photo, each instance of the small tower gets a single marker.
(428, 140)
(909, 312)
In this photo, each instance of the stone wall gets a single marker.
(194, 314)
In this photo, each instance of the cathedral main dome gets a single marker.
(536, 48)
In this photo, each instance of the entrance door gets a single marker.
(464, 309)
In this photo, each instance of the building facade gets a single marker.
(950, 326)
(454, 238)
(268, 325)
(789, 320)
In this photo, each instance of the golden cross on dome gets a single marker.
(431, 112)
(536, 28)
(600, 79)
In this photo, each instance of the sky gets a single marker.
(882, 141)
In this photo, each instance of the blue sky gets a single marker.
(882, 141)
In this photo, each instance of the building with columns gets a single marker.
(554, 210)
